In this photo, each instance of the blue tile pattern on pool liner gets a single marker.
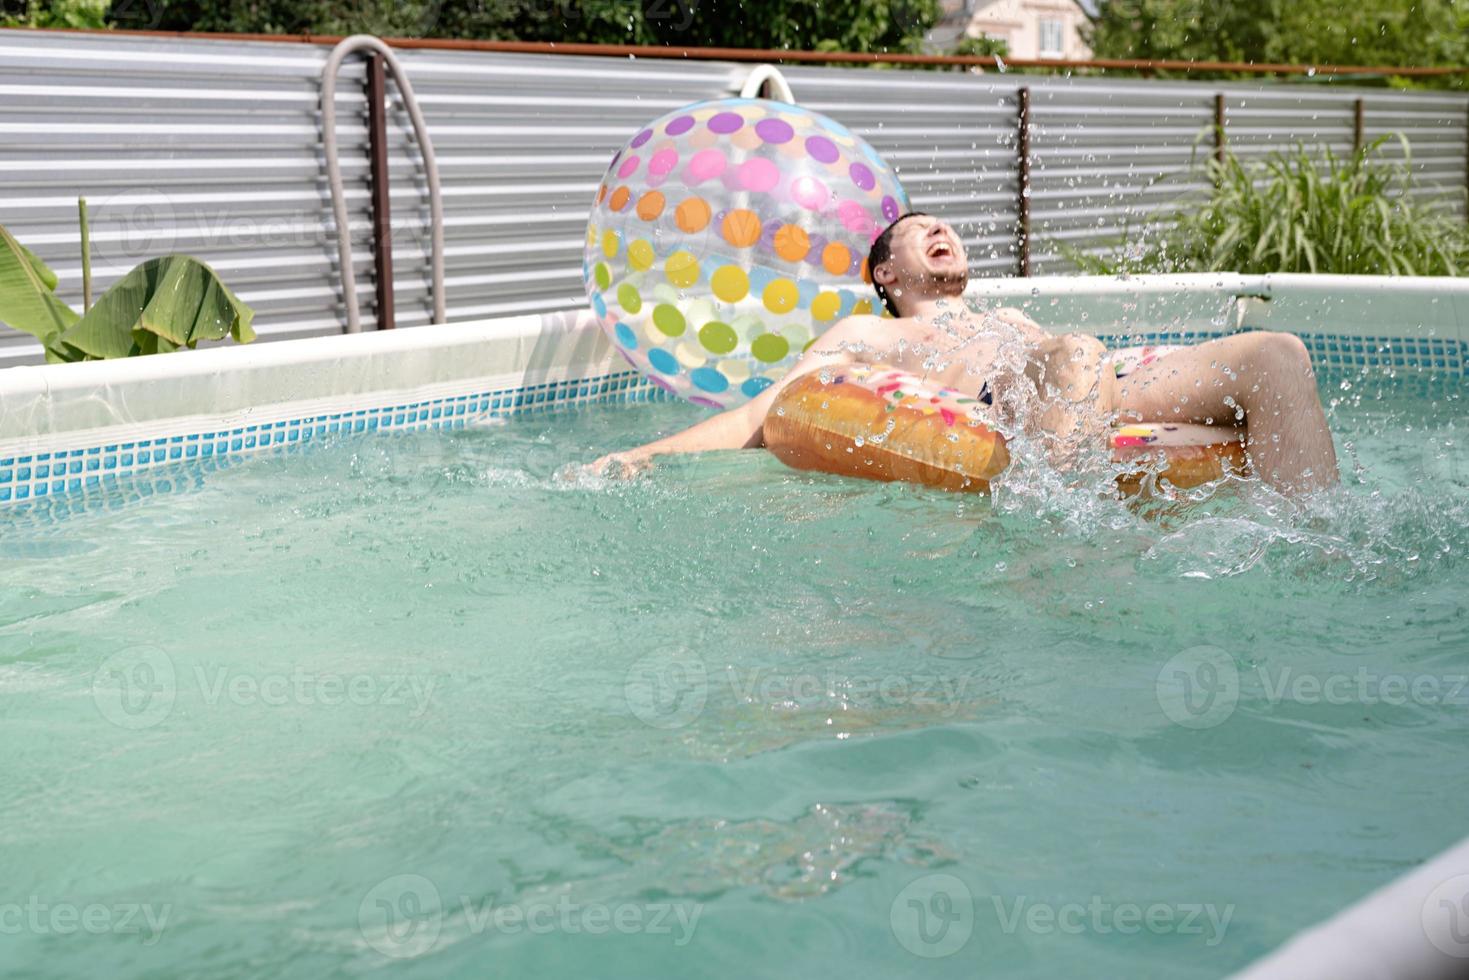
(43, 475)
(1438, 355)
(49, 475)
(119, 490)
(1336, 353)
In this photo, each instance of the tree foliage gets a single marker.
(870, 25)
(54, 13)
(1420, 33)
(983, 45)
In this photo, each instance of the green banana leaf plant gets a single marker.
(162, 305)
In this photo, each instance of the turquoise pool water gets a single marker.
(413, 706)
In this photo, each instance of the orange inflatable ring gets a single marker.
(882, 424)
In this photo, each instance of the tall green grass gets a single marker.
(1295, 212)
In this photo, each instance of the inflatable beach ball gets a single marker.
(728, 235)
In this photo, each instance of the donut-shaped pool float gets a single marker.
(878, 423)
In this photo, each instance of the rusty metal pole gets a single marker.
(1022, 158)
(1359, 125)
(382, 226)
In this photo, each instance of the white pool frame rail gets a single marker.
(1414, 928)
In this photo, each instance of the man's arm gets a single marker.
(1033, 332)
(742, 427)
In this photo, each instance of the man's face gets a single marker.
(927, 259)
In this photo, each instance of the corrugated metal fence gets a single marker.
(214, 148)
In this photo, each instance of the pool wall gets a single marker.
(72, 429)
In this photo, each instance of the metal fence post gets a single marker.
(1022, 156)
(1359, 125)
(1219, 128)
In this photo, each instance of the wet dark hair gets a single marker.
(882, 250)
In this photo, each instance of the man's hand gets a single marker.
(622, 466)
(1029, 329)
(1077, 394)
(742, 426)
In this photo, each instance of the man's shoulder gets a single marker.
(860, 325)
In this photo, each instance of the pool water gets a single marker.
(415, 703)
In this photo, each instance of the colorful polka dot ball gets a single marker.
(727, 236)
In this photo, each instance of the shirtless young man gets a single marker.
(1060, 387)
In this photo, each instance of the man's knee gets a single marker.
(1280, 352)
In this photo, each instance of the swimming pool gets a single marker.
(411, 700)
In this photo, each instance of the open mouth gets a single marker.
(940, 250)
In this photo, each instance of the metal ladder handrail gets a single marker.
(350, 45)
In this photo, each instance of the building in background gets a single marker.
(1031, 28)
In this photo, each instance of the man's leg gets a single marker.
(1261, 380)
